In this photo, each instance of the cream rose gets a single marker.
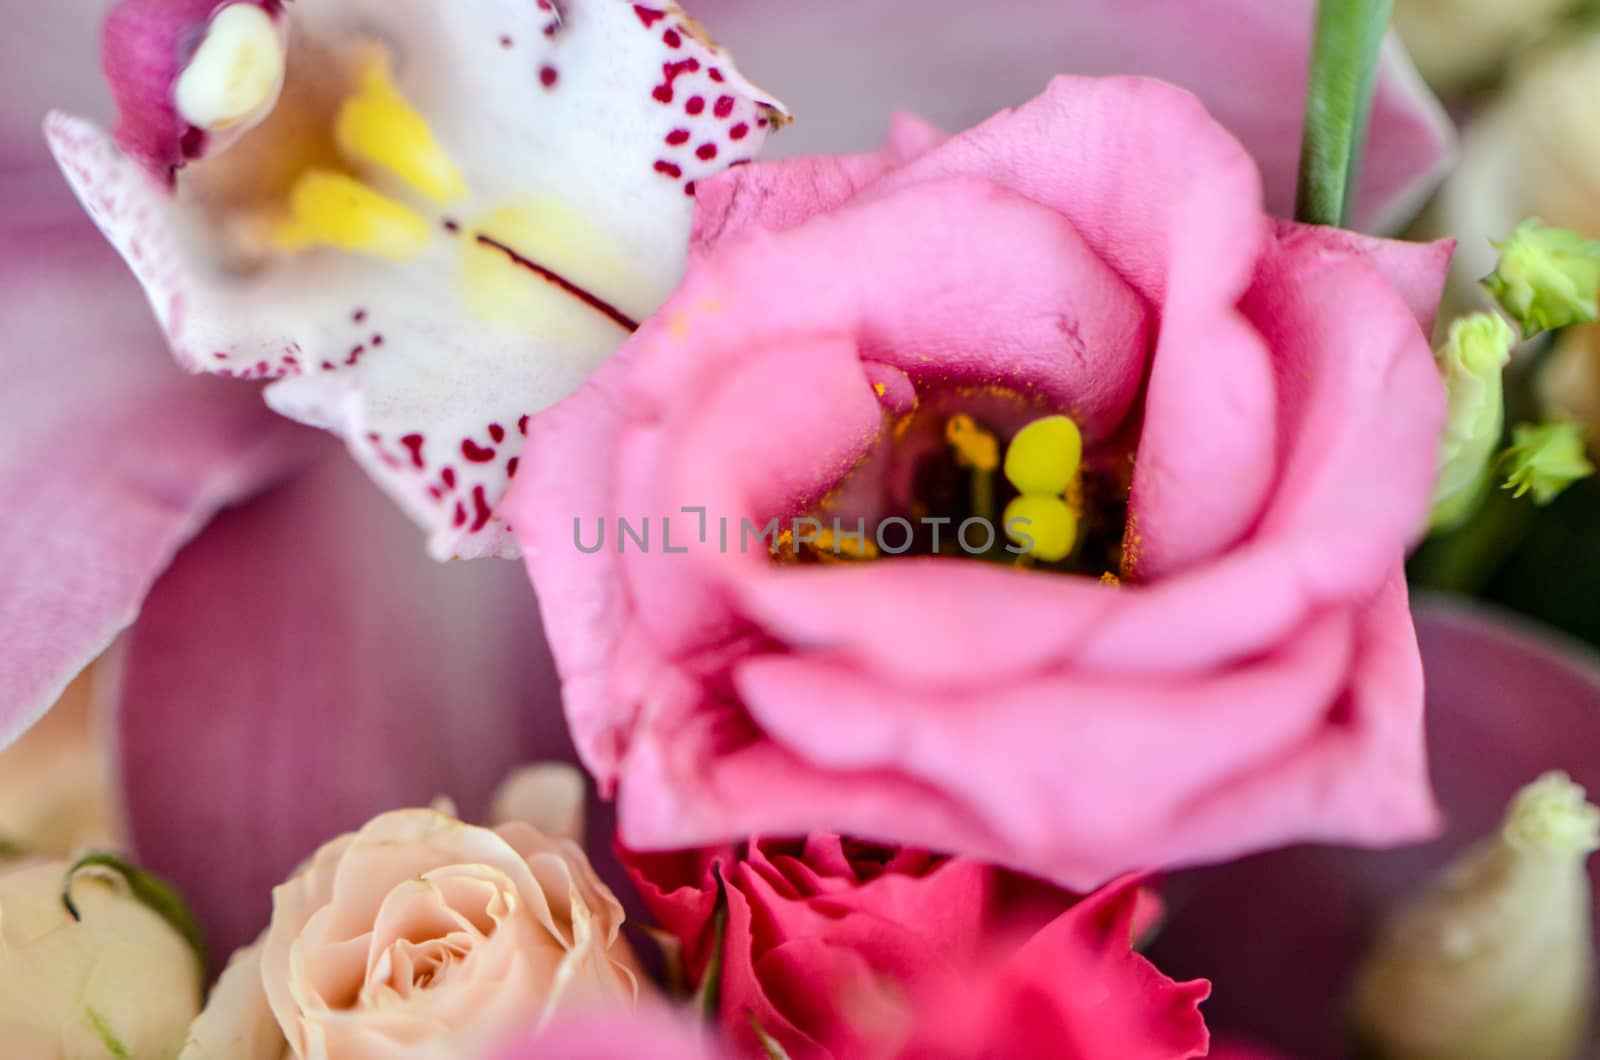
(55, 787)
(118, 981)
(421, 937)
(1457, 42)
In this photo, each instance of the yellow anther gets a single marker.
(975, 447)
(852, 545)
(334, 210)
(1044, 526)
(1043, 458)
(236, 72)
(378, 126)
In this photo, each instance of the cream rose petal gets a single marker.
(420, 936)
(237, 1023)
(549, 796)
(540, 212)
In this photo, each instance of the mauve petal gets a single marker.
(114, 461)
(843, 65)
(302, 667)
(1279, 933)
(51, 58)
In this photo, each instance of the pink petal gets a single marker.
(51, 58)
(652, 1032)
(114, 460)
(302, 667)
(1279, 933)
(844, 65)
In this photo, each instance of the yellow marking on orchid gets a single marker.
(1107, 578)
(378, 126)
(975, 447)
(335, 210)
(1044, 457)
(559, 238)
(1045, 526)
(236, 72)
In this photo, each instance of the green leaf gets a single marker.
(709, 996)
(1344, 64)
(149, 890)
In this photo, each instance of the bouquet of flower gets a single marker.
(1048, 529)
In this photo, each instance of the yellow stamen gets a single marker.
(1044, 456)
(1045, 526)
(975, 447)
(236, 73)
(855, 546)
(378, 126)
(331, 209)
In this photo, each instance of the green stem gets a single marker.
(1344, 63)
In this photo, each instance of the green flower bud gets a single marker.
(1496, 957)
(1547, 277)
(1470, 364)
(1545, 459)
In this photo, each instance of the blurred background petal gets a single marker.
(109, 459)
(1279, 934)
(304, 666)
(844, 66)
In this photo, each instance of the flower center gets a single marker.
(981, 474)
(325, 152)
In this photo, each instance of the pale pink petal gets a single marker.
(845, 65)
(51, 58)
(112, 461)
(302, 667)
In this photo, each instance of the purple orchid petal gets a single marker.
(112, 461)
(843, 64)
(304, 666)
(1279, 934)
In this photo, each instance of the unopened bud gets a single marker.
(1495, 959)
(1545, 459)
(1470, 364)
(1547, 277)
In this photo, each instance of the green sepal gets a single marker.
(149, 890)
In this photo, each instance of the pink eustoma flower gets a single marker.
(1259, 416)
(834, 948)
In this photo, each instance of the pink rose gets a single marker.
(1259, 416)
(835, 948)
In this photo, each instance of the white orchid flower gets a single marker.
(423, 222)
